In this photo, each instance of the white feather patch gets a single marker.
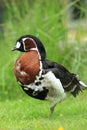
(18, 45)
(83, 84)
(55, 87)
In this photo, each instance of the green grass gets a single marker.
(31, 114)
(46, 20)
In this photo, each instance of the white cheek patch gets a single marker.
(18, 45)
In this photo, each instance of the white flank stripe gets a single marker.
(83, 84)
(73, 88)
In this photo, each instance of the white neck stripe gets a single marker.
(33, 49)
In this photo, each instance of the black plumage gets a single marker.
(67, 79)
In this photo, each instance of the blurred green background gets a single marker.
(61, 26)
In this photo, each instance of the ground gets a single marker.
(32, 114)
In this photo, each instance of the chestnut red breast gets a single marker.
(27, 67)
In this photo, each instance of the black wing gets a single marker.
(59, 71)
(68, 80)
